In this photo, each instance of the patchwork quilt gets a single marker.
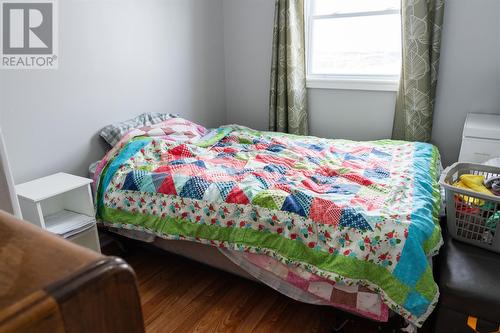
(301, 285)
(361, 213)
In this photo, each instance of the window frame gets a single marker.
(343, 81)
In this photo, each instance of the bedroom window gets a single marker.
(353, 44)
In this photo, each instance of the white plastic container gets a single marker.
(481, 138)
(472, 217)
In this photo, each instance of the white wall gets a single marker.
(5, 202)
(209, 60)
(248, 36)
(351, 114)
(118, 58)
(469, 76)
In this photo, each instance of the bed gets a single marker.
(333, 222)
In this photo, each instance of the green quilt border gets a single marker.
(369, 274)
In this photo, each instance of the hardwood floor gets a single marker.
(179, 295)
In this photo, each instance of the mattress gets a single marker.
(363, 215)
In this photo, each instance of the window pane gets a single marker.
(324, 7)
(365, 45)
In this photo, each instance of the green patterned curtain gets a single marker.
(421, 23)
(288, 96)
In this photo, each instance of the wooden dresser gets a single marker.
(48, 284)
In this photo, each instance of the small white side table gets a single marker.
(62, 204)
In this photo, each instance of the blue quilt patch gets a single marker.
(352, 219)
(195, 188)
(416, 303)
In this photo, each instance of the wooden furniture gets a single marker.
(48, 284)
(62, 204)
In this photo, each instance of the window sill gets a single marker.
(353, 83)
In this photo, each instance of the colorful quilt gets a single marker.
(362, 213)
(304, 286)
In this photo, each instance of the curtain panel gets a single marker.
(288, 93)
(422, 22)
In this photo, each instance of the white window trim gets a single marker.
(353, 82)
(342, 82)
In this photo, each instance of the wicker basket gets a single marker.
(472, 217)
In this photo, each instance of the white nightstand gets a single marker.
(62, 204)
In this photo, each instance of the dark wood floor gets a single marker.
(179, 295)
